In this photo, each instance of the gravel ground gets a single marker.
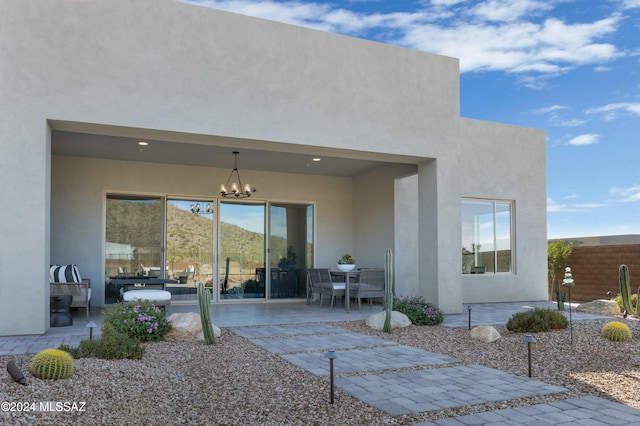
(236, 382)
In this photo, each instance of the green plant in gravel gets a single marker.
(116, 345)
(418, 310)
(388, 289)
(52, 364)
(86, 349)
(112, 345)
(204, 303)
(616, 331)
(140, 320)
(557, 254)
(633, 301)
(537, 320)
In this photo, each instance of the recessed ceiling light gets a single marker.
(316, 159)
(143, 143)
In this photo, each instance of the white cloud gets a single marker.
(555, 116)
(630, 4)
(613, 111)
(574, 122)
(554, 207)
(550, 109)
(446, 2)
(508, 10)
(586, 139)
(626, 195)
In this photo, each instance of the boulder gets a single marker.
(398, 320)
(186, 327)
(600, 307)
(485, 333)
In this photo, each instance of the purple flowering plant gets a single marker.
(419, 311)
(140, 320)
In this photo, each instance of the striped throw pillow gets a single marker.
(65, 274)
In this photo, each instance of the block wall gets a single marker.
(595, 270)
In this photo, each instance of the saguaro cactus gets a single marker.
(625, 292)
(204, 303)
(388, 289)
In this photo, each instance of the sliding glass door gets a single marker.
(291, 249)
(190, 241)
(133, 239)
(242, 251)
(224, 246)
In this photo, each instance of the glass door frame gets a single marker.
(256, 202)
(217, 237)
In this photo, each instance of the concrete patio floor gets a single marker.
(263, 313)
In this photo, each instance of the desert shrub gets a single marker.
(117, 345)
(112, 345)
(616, 331)
(633, 301)
(418, 310)
(70, 350)
(537, 320)
(86, 349)
(140, 320)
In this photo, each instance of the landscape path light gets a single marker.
(91, 326)
(15, 373)
(568, 282)
(529, 339)
(331, 355)
(469, 309)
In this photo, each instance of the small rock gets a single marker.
(398, 319)
(600, 307)
(485, 333)
(186, 327)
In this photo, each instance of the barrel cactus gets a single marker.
(52, 364)
(616, 331)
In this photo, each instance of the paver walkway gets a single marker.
(585, 411)
(430, 382)
(411, 392)
(370, 359)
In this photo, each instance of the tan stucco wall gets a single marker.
(169, 66)
(503, 162)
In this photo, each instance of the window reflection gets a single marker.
(242, 250)
(486, 236)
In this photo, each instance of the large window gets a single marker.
(487, 241)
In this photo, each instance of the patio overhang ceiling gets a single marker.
(121, 143)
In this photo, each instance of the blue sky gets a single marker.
(571, 67)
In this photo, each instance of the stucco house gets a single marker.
(461, 202)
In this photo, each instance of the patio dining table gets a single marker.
(347, 279)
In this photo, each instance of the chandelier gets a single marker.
(236, 188)
(196, 209)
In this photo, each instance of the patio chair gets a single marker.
(370, 286)
(184, 276)
(321, 283)
(313, 283)
(66, 280)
